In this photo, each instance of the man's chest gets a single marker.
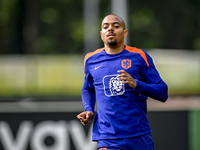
(109, 67)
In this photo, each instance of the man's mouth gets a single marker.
(111, 35)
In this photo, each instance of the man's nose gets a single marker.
(110, 28)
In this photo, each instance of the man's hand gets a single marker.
(85, 117)
(126, 78)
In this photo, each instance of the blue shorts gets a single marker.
(143, 142)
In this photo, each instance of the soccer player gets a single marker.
(120, 79)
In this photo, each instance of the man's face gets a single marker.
(113, 31)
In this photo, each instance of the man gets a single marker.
(120, 78)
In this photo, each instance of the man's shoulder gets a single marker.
(136, 50)
(90, 54)
(94, 52)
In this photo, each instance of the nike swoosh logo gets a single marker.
(97, 67)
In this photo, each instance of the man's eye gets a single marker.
(105, 27)
(116, 26)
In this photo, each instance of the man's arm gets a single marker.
(158, 91)
(88, 99)
(88, 93)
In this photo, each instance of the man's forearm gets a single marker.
(158, 91)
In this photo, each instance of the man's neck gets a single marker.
(114, 49)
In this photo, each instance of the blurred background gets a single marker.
(42, 47)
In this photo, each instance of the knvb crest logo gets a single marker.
(126, 63)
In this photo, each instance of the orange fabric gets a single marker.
(103, 148)
(92, 53)
(136, 50)
(130, 49)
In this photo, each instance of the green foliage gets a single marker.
(196, 44)
(57, 27)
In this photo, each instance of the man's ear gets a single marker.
(125, 33)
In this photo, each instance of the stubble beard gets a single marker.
(112, 43)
